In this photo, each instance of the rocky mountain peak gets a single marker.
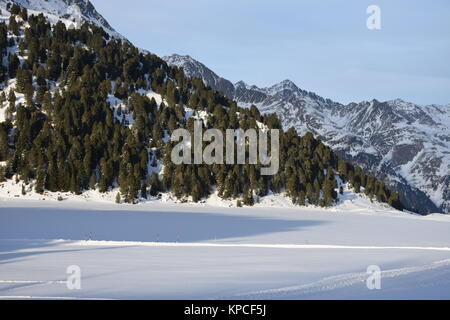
(284, 85)
(284, 90)
(74, 11)
(193, 68)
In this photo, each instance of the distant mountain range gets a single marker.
(404, 144)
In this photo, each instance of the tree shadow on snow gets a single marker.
(17, 250)
(69, 224)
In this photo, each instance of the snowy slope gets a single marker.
(72, 12)
(404, 144)
(173, 251)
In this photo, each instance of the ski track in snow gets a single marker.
(244, 245)
(228, 245)
(28, 284)
(32, 282)
(325, 285)
(335, 282)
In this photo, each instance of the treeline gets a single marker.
(64, 134)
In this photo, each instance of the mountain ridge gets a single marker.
(401, 142)
(73, 11)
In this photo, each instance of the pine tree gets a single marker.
(4, 144)
(40, 181)
(155, 186)
(24, 81)
(317, 189)
(172, 125)
(357, 187)
(178, 182)
(118, 199)
(13, 65)
(2, 99)
(144, 193)
(301, 198)
(328, 193)
(15, 9)
(171, 94)
(13, 25)
(394, 201)
(92, 181)
(248, 196)
(24, 14)
(12, 100)
(2, 174)
(310, 193)
(255, 113)
(291, 186)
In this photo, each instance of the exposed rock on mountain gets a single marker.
(75, 11)
(406, 145)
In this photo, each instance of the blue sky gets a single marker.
(322, 45)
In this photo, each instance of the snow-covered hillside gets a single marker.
(405, 144)
(172, 251)
(26, 188)
(72, 12)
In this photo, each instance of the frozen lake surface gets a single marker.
(174, 251)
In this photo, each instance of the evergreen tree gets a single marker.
(4, 144)
(15, 9)
(302, 198)
(248, 196)
(13, 65)
(14, 26)
(144, 192)
(40, 181)
(155, 185)
(2, 174)
(24, 14)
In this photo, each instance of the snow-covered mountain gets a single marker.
(194, 68)
(405, 144)
(70, 11)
